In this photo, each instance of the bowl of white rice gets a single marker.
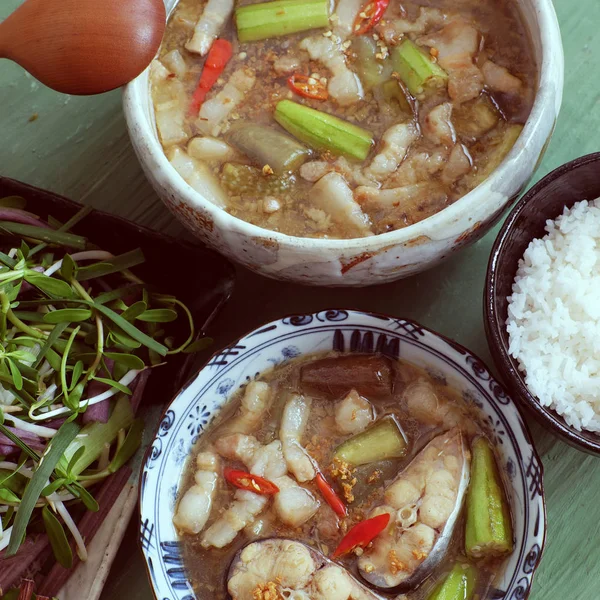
(542, 302)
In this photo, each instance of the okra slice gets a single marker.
(323, 131)
(282, 17)
(458, 585)
(382, 441)
(416, 69)
(488, 528)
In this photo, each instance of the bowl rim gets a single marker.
(264, 327)
(504, 362)
(551, 72)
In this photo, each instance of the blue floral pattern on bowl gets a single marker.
(200, 402)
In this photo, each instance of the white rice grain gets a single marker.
(554, 316)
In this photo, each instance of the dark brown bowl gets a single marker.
(575, 181)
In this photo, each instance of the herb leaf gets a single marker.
(129, 360)
(58, 539)
(59, 443)
(114, 265)
(68, 315)
(132, 442)
(158, 315)
(55, 288)
(130, 329)
(114, 384)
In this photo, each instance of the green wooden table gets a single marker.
(79, 147)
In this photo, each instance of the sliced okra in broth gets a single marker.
(369, 375)
(488, 533)
(282, 17)
(416, 69)
(383, 441)
(323, 131)
(458, 585)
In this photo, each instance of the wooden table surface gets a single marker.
(79, 147)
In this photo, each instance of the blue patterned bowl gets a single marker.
(201, 401)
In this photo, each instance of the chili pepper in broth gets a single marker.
(362, 534)
(250, 483)
(308, 87)
(330, 496)
(370, 14)
(218, 57)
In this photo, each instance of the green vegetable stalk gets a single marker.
(382, 441)
(458, 585)
(267, 146)
(95, 436)
(283, 17)
(488, 528)
(323, 131)
(416, 69)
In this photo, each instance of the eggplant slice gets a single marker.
(334, 377)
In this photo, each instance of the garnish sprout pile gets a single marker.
(77, 330)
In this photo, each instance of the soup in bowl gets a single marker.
(326, 140)
(342, 454)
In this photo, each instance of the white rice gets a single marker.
(554, 316)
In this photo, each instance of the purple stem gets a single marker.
(22, 216)
(12, 569)
(138, 392)
(29, 438)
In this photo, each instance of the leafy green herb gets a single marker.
(108, 267)
(64, 324)
(59, 443)
(58, 539)
(128, 360)
(44, 235)
(132, 442)
(159, 315)
(114, 384)
(68, 315)
(55, 288)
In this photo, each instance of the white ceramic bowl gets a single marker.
(201, 401)
(377, 259)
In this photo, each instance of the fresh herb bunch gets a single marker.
(77, 328)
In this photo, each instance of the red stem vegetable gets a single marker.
(216, 61)
(250, 483)
(308, 87)
(26, 589)
(370, 14)
(362, 534)
(330, 496)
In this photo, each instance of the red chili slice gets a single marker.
(362, 534)
(250, 483)
(370, 14)
(331, 497)
(308, 87)
(219, 55)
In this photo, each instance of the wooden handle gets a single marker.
(83, 46)
(6, 38)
